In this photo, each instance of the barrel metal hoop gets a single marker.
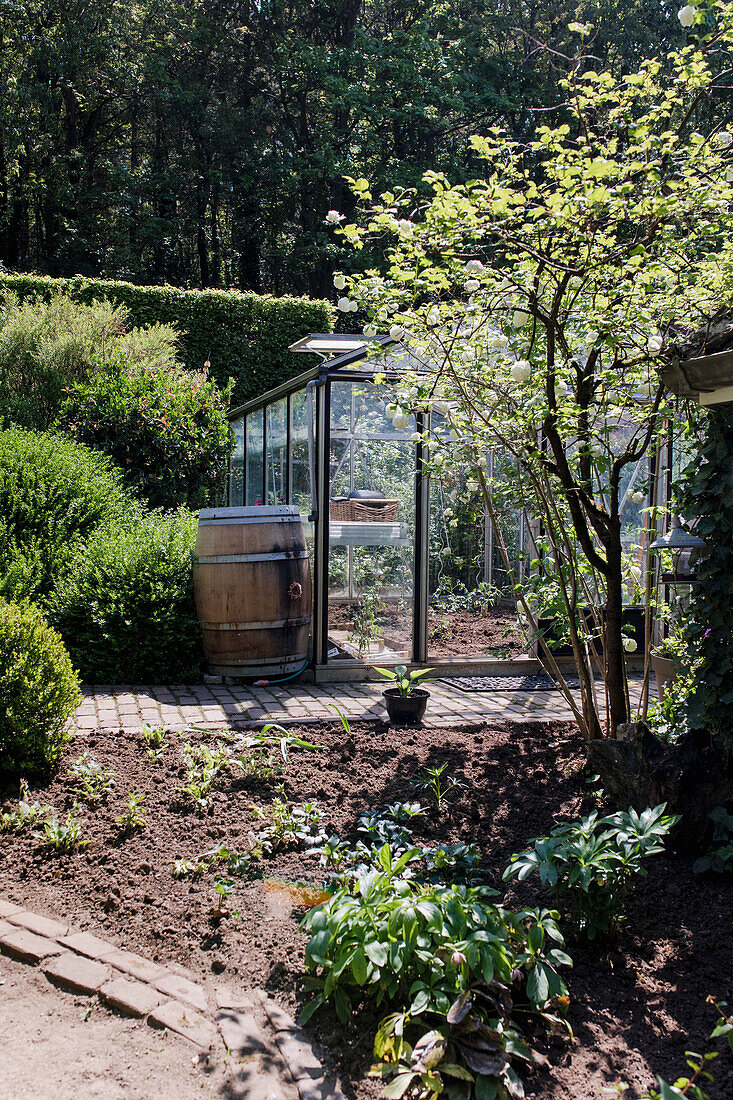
(266, 662)
(242, 521)
(269, 625)
(227, 559)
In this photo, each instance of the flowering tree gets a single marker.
(540, 296)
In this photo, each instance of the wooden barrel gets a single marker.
(252, 586)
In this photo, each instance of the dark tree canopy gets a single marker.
(202, 142)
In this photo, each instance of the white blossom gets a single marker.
(654, 345)
(520, 318)
(686, 15)
(333, 217)
(521, 370)
(339, 281)
(369, 331)
(397, 332)
(474, 267)
(629, 645)
(400, 420)
(472, 285)
(723, 140)
(405, 227)
(345, 304)
(561, 388)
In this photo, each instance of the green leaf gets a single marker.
(538, 987)
(399, 1086)
(377, 952)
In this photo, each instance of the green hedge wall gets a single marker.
(244, 336)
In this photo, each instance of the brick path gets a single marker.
(176, 706)
(268, 1056)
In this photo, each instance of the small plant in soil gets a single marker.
(291, 824)
(590, 864)
(719, 857)
(155, 740)
(432, 782)
(203, 768)
(266, 754)
(90, 781)
(62, 838)
(367, 619)
(27, 814)
(132, 817)
(441, 629)
(224, 888)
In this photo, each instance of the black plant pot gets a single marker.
(404, 710)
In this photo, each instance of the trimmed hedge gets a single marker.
(39, 691)
(125, 606)
(54, 493)
(243, 336)
(164, 426)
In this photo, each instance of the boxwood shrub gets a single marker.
(244, 336)
(54, 494)
(125, 608)
(39, 690)
(166, 427)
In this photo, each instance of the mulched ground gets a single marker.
(635, 1008)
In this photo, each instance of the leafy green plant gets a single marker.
(132, 817)
(719, 857)
(27, 814)
(437, 954)
(224, 888)
(90, 781)
(589, 865)
(164, 426)
(203, 768)
(265, 754)
(54, 494)
(367, 619)
(404, 681)
(39, 691)
(431, 780)
(154, 737)
(453, 595)
(62, 838)
(126, 605)
(290, 825)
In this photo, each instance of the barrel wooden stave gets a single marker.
(255, 610)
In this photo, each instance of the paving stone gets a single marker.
(321, 1089)
(131, 997)
(241, 1033)
(6, 926)
(135, 965)
(77, 973)
(42, 926)
(84, 943)
(258, 1081)
(182, 989)
(277, 1017)
(184, 1021)
(7, 908)
(298, 1055)
(226, 996)
(27, 947)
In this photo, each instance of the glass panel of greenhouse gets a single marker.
(406, 568)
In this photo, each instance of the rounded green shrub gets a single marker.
(125, 607)
(53, 494)
(39, 690)
(165, 426)
(46, 346)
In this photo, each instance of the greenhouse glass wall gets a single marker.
(406, 567)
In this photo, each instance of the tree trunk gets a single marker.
(614, 647)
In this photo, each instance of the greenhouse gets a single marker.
(405, 566)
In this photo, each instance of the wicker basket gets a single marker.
(360, 511)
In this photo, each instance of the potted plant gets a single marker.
(405, 701)
(667, 659)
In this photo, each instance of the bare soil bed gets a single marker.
(492, 633)
(634, 1008)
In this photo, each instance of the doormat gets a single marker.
(539, 682)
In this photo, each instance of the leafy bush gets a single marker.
(164, 426)
(47, 345)
(244, 336)
(53, 495)
(125, 606)
(39, 690)
(448, 958)
(589, 864)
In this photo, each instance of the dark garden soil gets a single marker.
(494, 633)
(634, 1008)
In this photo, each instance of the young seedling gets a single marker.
(431, 780)
(132, 817)
(404, 681)
(224, 887)
(62, 838)
(91, 782)
(203, 766)
(28, 813)
(155, 740)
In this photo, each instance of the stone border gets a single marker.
(265, 1047)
